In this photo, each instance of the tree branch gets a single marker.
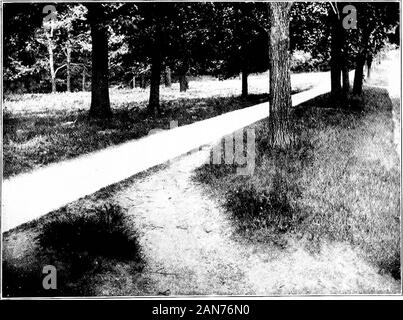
(335, 9)
(62, 66)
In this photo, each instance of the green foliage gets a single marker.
(309, 32)
(302, 61)
(199, 38)
(240, 38)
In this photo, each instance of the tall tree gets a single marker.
(336, 60)
(280, 131)
(51, 47)
(375, 23)
(156, 68)
(187, 39)
(242, 40)
(100, 104)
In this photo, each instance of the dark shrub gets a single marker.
(102, 232)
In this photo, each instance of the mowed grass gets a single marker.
(40, 129)
(340, 182)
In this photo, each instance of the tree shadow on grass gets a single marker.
(322, 187)
(80, 247)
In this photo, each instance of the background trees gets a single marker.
(353, 47)
(22, 72)
(242, 40)
(148, 41)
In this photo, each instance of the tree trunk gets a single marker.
(83, 80)
(51, 60)
(68, 65)
(244, 82)
(359, 74)
(154, 102)
(142, 81)
(167, 78)
(360, 63)
(336, 62)
(280, 131)
(100, 105)
(369, 66)
(183, 71)
(134, 82)
(346, 80)
(183, 83)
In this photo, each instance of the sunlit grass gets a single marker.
(341, 182)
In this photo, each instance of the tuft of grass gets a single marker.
(102, 232)
(81, 247)
(340, 182)
(254, 208)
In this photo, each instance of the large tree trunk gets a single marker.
(183, 83)
(359, 74)
(280, 131)
(154, 102)
(336, 61)
(68, 65)
(100, 105)
(168, 78)
(244, 82)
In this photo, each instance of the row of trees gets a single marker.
(124, 43)
(357, 44)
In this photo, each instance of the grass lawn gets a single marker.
(43, 128)
(341, 182)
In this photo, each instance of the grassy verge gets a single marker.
(339, 183)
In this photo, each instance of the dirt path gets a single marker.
(191, 249)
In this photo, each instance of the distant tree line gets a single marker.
(96, 45)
